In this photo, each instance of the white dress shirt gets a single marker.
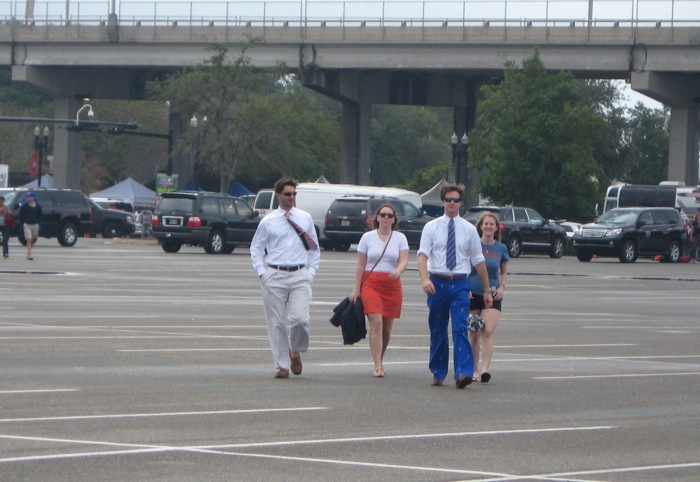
(433, 244)
(284, 246)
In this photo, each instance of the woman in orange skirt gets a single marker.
(382, 255)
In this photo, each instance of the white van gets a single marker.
(315, 198)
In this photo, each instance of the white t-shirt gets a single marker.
(372, 246)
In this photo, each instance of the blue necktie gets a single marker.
(451, 257)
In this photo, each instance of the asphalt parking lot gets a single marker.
(121, 362)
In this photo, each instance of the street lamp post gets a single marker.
(90, 113)
(460, 158)
(41, 143)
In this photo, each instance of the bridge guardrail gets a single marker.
(360, 13)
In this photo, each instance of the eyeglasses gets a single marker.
(453, 199)
(387, 215)
(289, 194)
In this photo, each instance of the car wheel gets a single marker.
(342, 247)
(628, 253)
(228, 249)
(327, 245)
(112, 230)
(68, 235)
(584, 257)
(171, 247)
(557, 249)
(674, 252)
(215, 243)
(514, 247)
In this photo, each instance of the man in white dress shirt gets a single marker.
(286, 256)
(444, 267)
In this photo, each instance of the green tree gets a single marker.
(406, 140)
(258, 126)
(533, 143)
(646, 146)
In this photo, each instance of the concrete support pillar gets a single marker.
(684, 143)
(681, 92)
(66, 147)
(355, 148)
(464, 121)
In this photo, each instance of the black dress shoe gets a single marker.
(463, 381)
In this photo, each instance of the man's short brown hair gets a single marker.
(285, 181)
(450, 188)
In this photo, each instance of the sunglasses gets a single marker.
(453, 199)
(289, 194)
(387, 215)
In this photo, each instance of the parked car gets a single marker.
(217, 222)
(524, 230)
(348, 218)
(629, 232)
(111, 223)
(66, 214)
(571, 228)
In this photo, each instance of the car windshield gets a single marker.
(176, 204)
(9, 195)
(618, 217)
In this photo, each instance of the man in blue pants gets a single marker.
(449, 247)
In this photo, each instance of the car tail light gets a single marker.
(194, 222)
(368, 222)
(502, 229)
(155, 221)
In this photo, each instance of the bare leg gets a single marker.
(491, 317)
(375, 341)
(474, 342)
(387, 324)
(30, 243)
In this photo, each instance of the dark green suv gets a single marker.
(66, 214)
(217, 222)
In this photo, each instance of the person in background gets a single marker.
(4, 228)
(382, 255)
(449, 248)
(30, 217)
(497, 257)
(146, 218)
(695, 241)
(286, 256)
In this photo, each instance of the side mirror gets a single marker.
(255, 214)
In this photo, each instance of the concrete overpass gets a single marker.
(437, 62)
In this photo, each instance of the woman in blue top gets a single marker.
(497, 258)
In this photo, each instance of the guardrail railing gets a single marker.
(357, 13)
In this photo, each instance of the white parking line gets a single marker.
(221, 449)
(153, 415)
(621, 375)
(53, 390)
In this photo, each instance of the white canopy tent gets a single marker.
(128, 191)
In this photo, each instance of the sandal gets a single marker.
(476, 378)
(379, 372)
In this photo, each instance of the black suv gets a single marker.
(629, 232)
(111, 223)
(348, 218)
(66, 214)
(524, 230)
(216, 221)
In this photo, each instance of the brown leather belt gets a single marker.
(449, 277)
(286, 268)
